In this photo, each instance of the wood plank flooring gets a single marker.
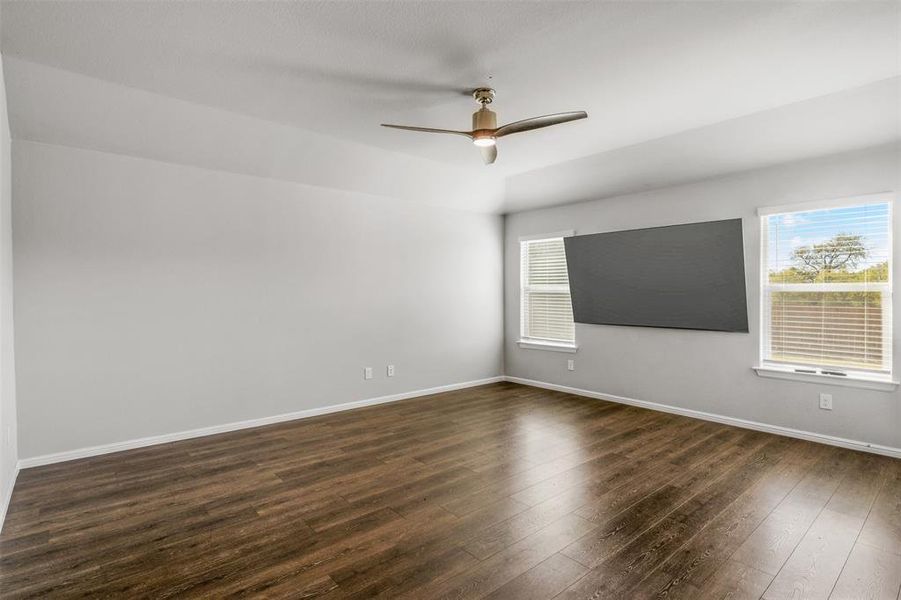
(502, 491)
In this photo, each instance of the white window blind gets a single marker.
(546, 312)
(826, 290)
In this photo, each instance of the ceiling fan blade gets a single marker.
(539, 122)
(489, 153)
(428, 129)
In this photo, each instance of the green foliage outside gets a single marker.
(833, 261)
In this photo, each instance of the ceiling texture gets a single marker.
(644, 71)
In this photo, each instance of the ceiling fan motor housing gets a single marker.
(484, 122)
(484, 118)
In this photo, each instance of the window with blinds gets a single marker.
(826, 301)
(546, 312)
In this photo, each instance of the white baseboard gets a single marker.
(697, 414)
(8, 496)
(47, 459)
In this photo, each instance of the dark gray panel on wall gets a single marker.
(682, 276)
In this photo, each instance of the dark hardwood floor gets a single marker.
(501, 491)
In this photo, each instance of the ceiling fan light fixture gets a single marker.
(485, 131)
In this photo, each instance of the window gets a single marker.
(826, 289)
(546, 311)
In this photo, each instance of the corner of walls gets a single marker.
(8, 418)
(503, 278)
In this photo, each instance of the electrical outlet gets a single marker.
(390, 370)
(367, 373)
(826, 401)
(571, 365)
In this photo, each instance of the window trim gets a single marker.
(852, 379)
(532, 343)
(874, 198)
(538, 344)
(807, 373)
(547, 236)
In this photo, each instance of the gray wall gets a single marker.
(709, 371)
(153, 298)
(8, 422)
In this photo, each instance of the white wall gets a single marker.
(154, 298)
(8, 422)
(709, 371)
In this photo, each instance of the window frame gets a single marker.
(535, 343)
(813, 373)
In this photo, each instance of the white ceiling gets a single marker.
(59, 107)
(642, 70)
(845, 121)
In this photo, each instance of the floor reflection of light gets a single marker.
(541, 440)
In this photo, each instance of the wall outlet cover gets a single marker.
(826, 401)
(367, 373)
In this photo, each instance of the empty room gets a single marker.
(515, 300)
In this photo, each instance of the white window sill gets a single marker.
(853, 380)
(552, 346)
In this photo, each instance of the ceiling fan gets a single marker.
(485, 131)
